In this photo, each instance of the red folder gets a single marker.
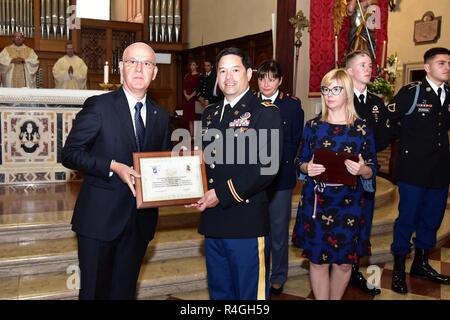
(336, 171)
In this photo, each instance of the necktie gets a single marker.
(361, 98)
(226, 112)
(439, 95)
(139, 124)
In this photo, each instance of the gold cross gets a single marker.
(360, 128)
(328, 219)
(348, 149)
(299, 22)
(326, 144)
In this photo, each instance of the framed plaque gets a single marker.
(428, 29)
(169, 180)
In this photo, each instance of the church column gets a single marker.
(285, 42)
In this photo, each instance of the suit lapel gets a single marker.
(123, 113)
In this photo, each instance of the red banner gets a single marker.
(322, 40)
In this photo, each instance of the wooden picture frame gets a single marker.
(168, 179)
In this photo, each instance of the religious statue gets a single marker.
(364, 19)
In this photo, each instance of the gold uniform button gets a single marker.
(247, 201)
(212, 165)
(211, 180)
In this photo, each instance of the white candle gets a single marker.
(383, 54)
(121, 77)
(274, 35)
(106, 73)
(395, 65)
(336, 53)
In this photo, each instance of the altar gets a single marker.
(34, 124)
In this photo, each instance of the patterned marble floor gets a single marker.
(298, 287)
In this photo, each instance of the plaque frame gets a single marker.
(140, 203)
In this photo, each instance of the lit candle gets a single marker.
(336, 54)
(106, 73)
(383, 54)
(395, 65)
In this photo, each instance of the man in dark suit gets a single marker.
(280, 191)
(112, 234)
(207, 85)
(235, 218)
(423, 168)
(371, 109)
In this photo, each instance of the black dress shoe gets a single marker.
(276, 290)
(399, 282)
(421, 269)
(425, 271)
(358, 280)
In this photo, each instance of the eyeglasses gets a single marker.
(133, 63)
(335, 90)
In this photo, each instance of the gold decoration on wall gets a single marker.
(339, 14)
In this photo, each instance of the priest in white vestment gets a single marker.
(18, 64)
(70, 71)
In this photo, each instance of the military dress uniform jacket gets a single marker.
(292, 121)
(242, 211)
(375, 113)
(206, 87)
(423, 153)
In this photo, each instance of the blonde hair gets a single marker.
(342, 77)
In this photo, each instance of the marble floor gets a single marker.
(298, 287)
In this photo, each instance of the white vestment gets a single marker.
(19, 75)
(66, 80)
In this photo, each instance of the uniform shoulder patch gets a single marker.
(267, 104)
(391, 107)
(414, 84)
(293, 97)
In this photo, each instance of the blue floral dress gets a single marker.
(338, 232)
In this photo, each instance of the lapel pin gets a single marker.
(428, 89)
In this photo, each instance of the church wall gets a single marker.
(400, 40)
(401, 31)
(217, 20)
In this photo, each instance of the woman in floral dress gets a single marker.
(329, 220)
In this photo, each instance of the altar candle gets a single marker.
(106, 73)
(336, 54)
(395, 65)
(121, 76)
(383, 54)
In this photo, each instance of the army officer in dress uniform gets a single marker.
(280, 191)
(235, 218)
(206, 86)
(371, 109)
(423, 167)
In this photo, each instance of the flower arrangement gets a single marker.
(383, 85)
